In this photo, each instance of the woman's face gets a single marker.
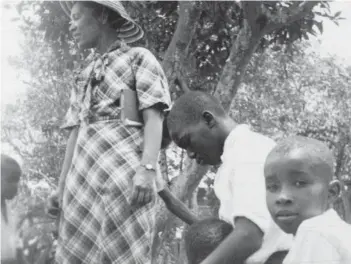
(85, 27)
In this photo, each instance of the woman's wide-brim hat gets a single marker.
(130, 31)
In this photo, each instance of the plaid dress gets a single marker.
(97, 223)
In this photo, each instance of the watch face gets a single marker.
(148, 166)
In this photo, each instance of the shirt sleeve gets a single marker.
(71, 118)
(247, 159)
(310, 247)
(248, 192)
(150, 81)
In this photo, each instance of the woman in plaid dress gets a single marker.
(107, 184)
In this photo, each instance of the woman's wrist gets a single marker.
(148, 166)
(148, 160)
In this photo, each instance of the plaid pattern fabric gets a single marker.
(97, 223)
(121, 68)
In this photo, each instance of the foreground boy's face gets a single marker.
(200, 142)
(295, 190)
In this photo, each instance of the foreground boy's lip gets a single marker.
(286, 215)
(287, 218)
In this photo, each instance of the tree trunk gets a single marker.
(177, 51)
(174, 58)
(247, 40)
(233, 71)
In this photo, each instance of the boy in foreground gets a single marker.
(300, 191)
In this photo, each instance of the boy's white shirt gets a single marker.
(324, 239)
(240, 187)
(9, 235)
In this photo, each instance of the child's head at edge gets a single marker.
(203, 237)
(299, 181)
(10, 176)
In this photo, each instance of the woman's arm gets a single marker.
(55, 201)
(177, 207)
(71, 144)
(144, 180)
(153, 120)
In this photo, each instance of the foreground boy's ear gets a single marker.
(335, 188)
(209, 118)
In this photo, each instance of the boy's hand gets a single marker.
(143, 190)
(53, 204)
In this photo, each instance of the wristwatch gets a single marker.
(148, 167)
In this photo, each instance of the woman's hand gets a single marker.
(144, 189)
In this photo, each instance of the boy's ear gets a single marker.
(209, 118)
(335, 189)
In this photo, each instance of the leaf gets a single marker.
(312, 32)
(305, 35)
(319, 26)
(337, 14)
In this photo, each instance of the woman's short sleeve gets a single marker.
(71, 118)
(150, 81)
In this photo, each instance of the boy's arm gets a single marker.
(177, 207)
(245, 239)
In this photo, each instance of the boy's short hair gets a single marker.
(203, 237)
(188, 108)
(317, 151)
(10, 166)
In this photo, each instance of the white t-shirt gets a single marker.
(240, 187)
(324, 239)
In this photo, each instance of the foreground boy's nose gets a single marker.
(284, 199)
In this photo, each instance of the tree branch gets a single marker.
(240, 54)
(182, 83)
(177, 50)
(8, 139)
(251, 13)
(44, 176)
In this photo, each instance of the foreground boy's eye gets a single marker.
(300, 183)
(272, 187)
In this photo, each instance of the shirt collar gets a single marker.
(331, 213)
(232, 138)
